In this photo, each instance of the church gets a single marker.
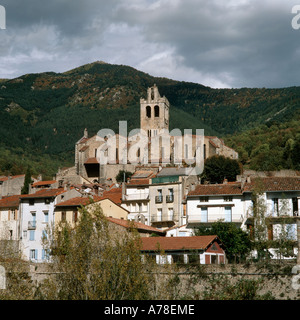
(144, 148)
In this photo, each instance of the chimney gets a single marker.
(225, 181)
(85, 133)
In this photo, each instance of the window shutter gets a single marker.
(36, 254)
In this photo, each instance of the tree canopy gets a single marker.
(217, 168)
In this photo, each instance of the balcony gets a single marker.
(158, 199)
(163, 218)
(170, 199)
(31, 225)
(137, 196)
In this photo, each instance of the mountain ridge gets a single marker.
(46, 113)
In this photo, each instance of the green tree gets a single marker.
(27, 181)
(217, 168)
(95, 262)
(123, 175)
(237, 242)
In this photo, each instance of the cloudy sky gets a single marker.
(221, 44)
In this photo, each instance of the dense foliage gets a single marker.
(236, 241)
(218, 168)
(43, 115)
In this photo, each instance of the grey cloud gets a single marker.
(235, 42)
(254, 42)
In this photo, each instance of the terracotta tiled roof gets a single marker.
(114, 194)
(273, 184)
(44, 193)
(138, 181)
(10, 202)
(43, 183)
(177, 243)
(91, 161)
(217, 189)
(12, 177)
(137, 225)
(78, 201)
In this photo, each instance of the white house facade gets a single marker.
(207, 204)
(36, 215)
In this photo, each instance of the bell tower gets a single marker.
(154, 112)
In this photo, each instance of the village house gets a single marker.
(209, 203)
(11, 185)
(280, 197)
(9, 218)
(68, 211)
(36, 214)
(179, 231)
(135, 195)
(195, 249)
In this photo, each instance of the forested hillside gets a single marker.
(43, 115)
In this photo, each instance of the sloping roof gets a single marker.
(114, 194)
(173, 171)
(44, 193)
(217, 189)
(273, 184)
(4, 178)
(91, 161)
(142, 174)
(43, 183)
(10, 202)
(137, 225)
(138, 182)
(177, 243)
(78, 201)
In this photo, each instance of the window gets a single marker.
(45, 254)
(228, 198)
(148, 112)
(170, 196)
(33, 254)
(203, 199)
(159, 197)
(170, 213)
(228, 214)
(63, 216)
(275, 206)
(13, 215)
(159, 214)
(204, 214)
(75, 216)
(214, 247)
(156, 111)
(295, 207)
(31, 235)
(44, 235)
(46, 216)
